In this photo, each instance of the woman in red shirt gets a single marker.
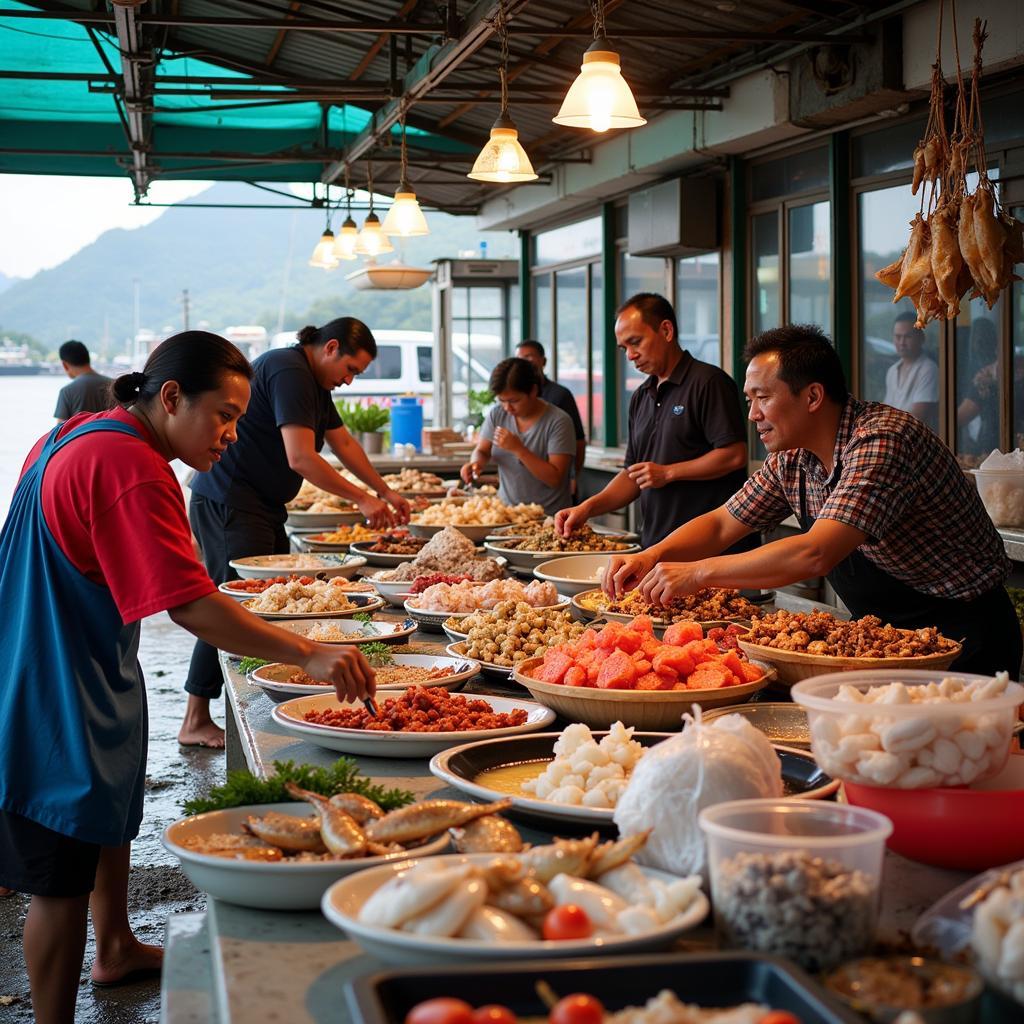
(97, 539)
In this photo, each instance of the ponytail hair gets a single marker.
(197, 360)
(515, 374)
(353, 336)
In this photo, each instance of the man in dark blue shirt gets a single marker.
(557, 394)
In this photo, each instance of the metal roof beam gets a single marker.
(375, 48)
(275, 46)
(135, 67)
(431, 69)
(701, 36)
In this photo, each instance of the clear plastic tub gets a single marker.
(907, 744)
(1002, 494)
(796, 879)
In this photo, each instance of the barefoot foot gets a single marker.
(208, 735)
(133, 963)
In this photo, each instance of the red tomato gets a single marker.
(779, 1017)
(577, 1009)
(493, 1014)
(440, 1011)
(567, 922)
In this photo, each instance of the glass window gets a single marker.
(903, 378)
(767, 286)
(1017, 328)
(571, 369)
(484, 301)
(460, 302)
(425, 362)
(795, 172)
(512, 316)
(810, 300)
(387, 365)
(542, 325)
(697, 307)
(639, 274)
(568, 243)
(597, 328)
(891, 149)
(979, 381)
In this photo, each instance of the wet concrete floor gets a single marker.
(157, 886)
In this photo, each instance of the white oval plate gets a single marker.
(399, 744)
(500, 673)
(385, 561)
(348, 587)
(357, 632)
(474, 531)
(267, 886)
(531, 559)
(342, 902)
(438, 619)
(274, 678)
(259, 567)
(364, 603)
(324, 520)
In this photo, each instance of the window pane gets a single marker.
(979, 380)
(1017, 321)
(901, 379)
(597, 329)
(639, 274)
(569, 243)
(387, 365)
(697, 307)
(425, 362)
(542, 310)
(460, 302)
(484, 301)
(514, 332)
(571, 351)
(890, 149)
(767, 295)
(797, 172)
(810, 300)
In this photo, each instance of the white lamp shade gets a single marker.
(599, 99)
(405, 218)
(345, 240)
(323, 254)
(503, 159)
(371, 240)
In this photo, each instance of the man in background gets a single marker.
(88, 391)
(912, 384)
(558, 395)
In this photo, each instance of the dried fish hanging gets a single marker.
(959, 242)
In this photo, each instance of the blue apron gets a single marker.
(73, 721)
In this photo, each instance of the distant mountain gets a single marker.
(6, 282)
(238, 265)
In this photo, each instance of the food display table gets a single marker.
(233, 964)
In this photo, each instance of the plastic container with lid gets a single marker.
(1002, 494)
(407, 421)
(906, 744)
(798, 879)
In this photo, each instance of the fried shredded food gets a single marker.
(387, 675)
(710, 604)
(582, 539)
(820, 633)
(421, 710)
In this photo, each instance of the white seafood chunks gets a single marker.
(447, 917)
(602, 906)
(585, 772)
(998, 935)
(911, 748)
(493, 925)
(411, 892)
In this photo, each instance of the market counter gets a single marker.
(233, 964)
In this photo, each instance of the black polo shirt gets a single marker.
(696, 410)
(253, 474)
(560, 396)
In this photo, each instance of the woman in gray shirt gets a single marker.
(532, 441)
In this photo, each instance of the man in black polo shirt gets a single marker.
(557, 394)
(687, 449)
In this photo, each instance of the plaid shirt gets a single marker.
(894, 480)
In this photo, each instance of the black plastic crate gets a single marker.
(708, 979)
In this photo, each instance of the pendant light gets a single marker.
(600, 98)
(371, 241)
(345, 240)
(503, 158)
(405, 218)
(323, 252)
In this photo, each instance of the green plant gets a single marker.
(247, 665)
(377, 654)
(362, 419)
(479, 402)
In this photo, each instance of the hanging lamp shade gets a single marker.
(323, 254)
(371, 240)
(600, 98)
(405, 218)
(345, 240)
(503, 158)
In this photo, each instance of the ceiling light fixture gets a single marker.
(503, 158)
(345, 240)
(405, 218)
(371, 241)
(600, 98)
(323, 252)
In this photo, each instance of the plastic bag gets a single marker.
(706, 764)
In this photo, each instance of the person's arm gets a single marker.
(223, 623)
(616, 494)
(304, 459)
(62, 412)
(581, 454)
(345, 446)
(477, 461)
(716, 463)
(814, 553)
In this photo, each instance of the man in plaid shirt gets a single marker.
(887, 514)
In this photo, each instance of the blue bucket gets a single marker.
(407, 422)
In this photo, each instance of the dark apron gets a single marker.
(988, 625)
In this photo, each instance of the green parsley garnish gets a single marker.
(343, 776)
(377, 654)
(247, 665)
(362, 616)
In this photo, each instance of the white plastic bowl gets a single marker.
(1002, 494)
(573, 574)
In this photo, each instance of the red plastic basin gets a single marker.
(969, 829)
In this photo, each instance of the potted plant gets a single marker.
(478, 401)
(365, 421)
